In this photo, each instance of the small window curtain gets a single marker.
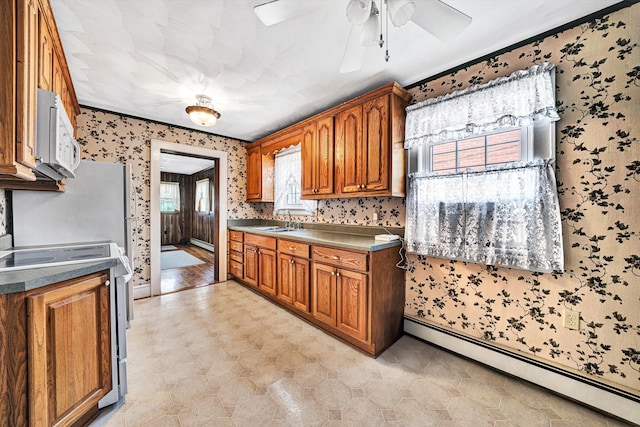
(508, 215)
(507, 102)
(202, 195)
(170, 196)
(286, 185)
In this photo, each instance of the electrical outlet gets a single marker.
(571, 319)
(376, 215)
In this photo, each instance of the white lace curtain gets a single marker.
(511, 101)
(170, 196)
(508, 216)
(286, 184)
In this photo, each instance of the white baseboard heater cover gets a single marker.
(599, 396)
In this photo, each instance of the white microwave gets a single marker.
(57, 152)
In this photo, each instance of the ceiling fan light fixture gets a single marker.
(358, 11)
(400, 11)
(203, 113)
(369, 33)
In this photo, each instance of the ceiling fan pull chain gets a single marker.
(386, 54)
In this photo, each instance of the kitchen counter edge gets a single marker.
(329, 238)
(33, 278)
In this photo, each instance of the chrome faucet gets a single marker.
(289, 223)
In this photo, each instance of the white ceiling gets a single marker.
(185, 165)
(149, 58)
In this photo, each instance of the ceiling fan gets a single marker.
(434, 16)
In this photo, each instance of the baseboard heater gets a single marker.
(599, 396)
(202, 244)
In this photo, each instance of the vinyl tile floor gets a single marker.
(223, 356)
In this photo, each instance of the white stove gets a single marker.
(50, 256)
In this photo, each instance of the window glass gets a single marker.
(169, 197)
(202, 196)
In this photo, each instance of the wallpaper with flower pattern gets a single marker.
(598, 174)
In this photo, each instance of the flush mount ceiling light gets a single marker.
(203, 113)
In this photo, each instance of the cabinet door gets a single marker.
(323, 305)
(308, 164)
(349, 152)
(301, 284)
(286, 279)
(251, 265)
(27, 82)
(323, 154)
(352, 303)
(375, 145)
(267, 270)
(254, 173)
(45, 55)
(69, 350)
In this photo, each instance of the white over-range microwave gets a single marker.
(57, 152)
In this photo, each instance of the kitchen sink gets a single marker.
(271, 228)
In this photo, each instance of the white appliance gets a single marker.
(95, 207)
(57, 152)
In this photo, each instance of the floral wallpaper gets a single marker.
(110, 137)
(598, 174)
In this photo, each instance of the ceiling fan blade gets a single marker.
(439, 19)
(276, 11)
(353, 52)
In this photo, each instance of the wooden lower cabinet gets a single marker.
(251, 265)
(267, 270)
(293, 281)
(59, 349)
(340, 299)
(236, 254)
(357, 296)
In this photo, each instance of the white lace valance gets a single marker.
(511, 101)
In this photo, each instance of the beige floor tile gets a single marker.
(223, 356)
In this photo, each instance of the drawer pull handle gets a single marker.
(291, 248)
(336, 257)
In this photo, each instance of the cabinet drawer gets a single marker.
(236, 256)
(262, 241)
(235, 268)
(340, 258)
(235, 246)
(235, 235)
(293, 248)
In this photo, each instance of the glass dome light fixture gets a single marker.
(203, 113)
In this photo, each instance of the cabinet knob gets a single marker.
(107, 282)
(291, 261)
(338, 274)
(333, 273)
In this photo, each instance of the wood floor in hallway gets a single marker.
(178, 279)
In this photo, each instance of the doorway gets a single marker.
(158, 148)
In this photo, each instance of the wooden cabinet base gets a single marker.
(377, 322)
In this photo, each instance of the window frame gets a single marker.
(304, 207)
(176, 201)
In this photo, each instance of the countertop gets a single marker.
(33, 278)
(342, 238)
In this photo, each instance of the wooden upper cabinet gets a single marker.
(45, 55)
(259, 175)
(375, 145)
(32, 57)
(349, 153)
(317, 158)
